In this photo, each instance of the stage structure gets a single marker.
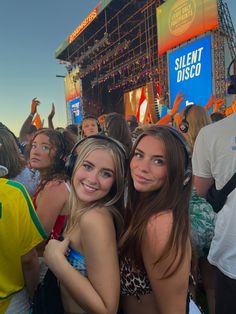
(114, 56)
(224, 37)
(114, 50)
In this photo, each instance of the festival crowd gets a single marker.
(112, 216)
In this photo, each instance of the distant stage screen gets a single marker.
(190, 71)
(75, 111)
(140, 102)
(72, 85)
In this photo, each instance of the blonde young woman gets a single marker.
(192, 119)
(86, 262)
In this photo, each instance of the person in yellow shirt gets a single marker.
(20, 232)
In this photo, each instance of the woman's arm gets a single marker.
(50, 203)
(170, 293)
(50, 117)
(26, 125)
(177, 102)
(99, 293)
(210, 102)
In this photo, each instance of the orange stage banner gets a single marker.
(72, 85)
(181, 20)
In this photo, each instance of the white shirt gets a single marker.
(214, 156)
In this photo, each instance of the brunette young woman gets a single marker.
(155, 250)
(86, 262)
(48, 150)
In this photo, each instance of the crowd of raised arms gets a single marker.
(111, 216)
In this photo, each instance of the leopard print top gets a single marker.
(133, 282)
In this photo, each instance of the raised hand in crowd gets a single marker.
(50, 117)
(216, 103)
(180, 97)
(28, 129)
(34, 105)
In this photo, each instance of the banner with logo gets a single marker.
(72, 95)
(72, 85)
(180, 20)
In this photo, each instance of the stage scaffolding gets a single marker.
(225, 34)
(117, 53)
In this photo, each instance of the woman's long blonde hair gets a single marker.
(197, 118)
(114, 200)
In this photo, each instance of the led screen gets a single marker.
(190, 71)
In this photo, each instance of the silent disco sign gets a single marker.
(190, 70)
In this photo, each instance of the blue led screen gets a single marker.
(190, 71)
(75, 111)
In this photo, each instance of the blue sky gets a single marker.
(30, 32)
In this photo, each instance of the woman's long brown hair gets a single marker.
(173, 195)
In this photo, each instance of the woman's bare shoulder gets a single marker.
(55, 184)
(158, 229)
(160, 221)
(97, 217)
